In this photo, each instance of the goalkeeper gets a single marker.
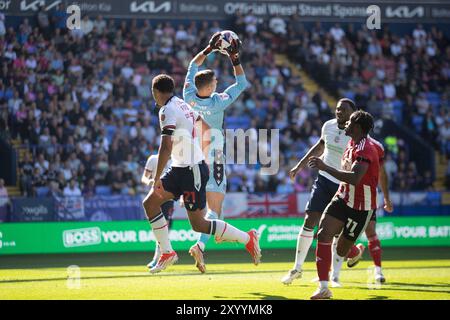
(200, 93)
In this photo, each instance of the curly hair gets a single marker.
(364, 119)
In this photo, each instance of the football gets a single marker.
(228, 38)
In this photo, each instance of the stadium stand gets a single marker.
(78, 104)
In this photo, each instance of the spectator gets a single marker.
(72, 190)
(337, 33)
(59, 17)
(97, 104)
(430, 130)
(87, 25)
(427, 182)
(278, 25)
(391, 168)
(89, 188)
(44, 22)
(251, 23)
(4, 201)
(25, 172)
(100, 24)
(2, 25)
(286, 186)
(444, 133)
(54, 190)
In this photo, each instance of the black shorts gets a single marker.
(180, 182)
(323, 191)
(167, 209)
(355, 221)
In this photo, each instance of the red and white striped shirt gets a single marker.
(363, 196)
(380, 150)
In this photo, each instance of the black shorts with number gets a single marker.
(167, 209)
(180, 182)
(323, 190)
(355, 221)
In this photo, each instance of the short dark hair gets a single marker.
(364, 119)
(203, 78)
(163, 83)
(350, 102)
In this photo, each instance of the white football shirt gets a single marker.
(335, 143)
(152, 163)
(179, 116)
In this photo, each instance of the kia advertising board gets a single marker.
(351, 11)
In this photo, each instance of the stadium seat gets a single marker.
(103, 190)
(417, 122)
(136, 103)
(398, 111)
(349, 95)
(238, 122)
(42, 191)
(110, 131)
(84, 105)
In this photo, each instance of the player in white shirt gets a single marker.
(187, 176)
(167, 209)
(331, 147)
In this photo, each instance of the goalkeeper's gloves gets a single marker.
(213, 44)
(233, 52)
(235, 59)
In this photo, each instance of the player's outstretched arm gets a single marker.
(383, 181)
(212, 45)
(234, 55)
(189, 89)
(232, 92)
(315, 151)
(352, 177)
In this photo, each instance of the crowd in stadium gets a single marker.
(80, 101)
(404, 78)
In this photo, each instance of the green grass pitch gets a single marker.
(411, 273)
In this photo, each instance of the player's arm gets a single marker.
(168, 125)
(353, 177)
(189, 89)
(232, 92)
(146, 178)
(315, 151)
(383, 181)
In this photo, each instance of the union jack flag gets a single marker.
(268, 205)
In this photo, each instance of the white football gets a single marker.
(228, 38)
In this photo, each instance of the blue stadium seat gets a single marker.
(103, 190)
(433, 96)
(397, 104)
(349, 95)
(154, 121)
(398, 110)
(84, 105)
(110, 131)
(417, 122)
(242, 122)
(434, 99)
(136, 104)
(42, 191)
